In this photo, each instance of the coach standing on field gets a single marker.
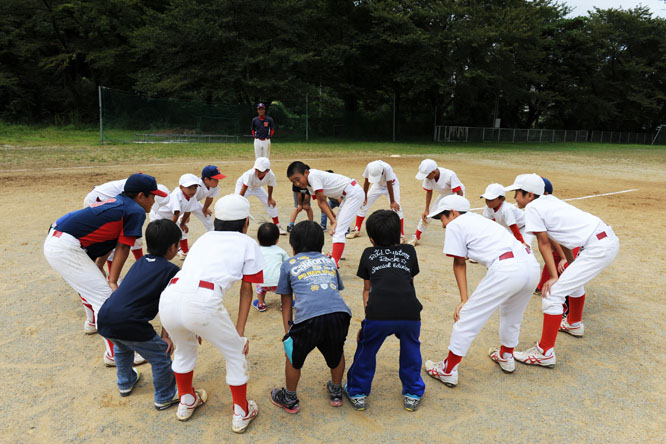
(262, 129)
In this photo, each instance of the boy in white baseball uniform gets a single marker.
(513, 273)
(549, 217)
(331, 185)
(505, 213)
(191, 307)
(207, 191)
(384, 183)
(251, 183)
(268, 236)
(181, 204)
(434, 178)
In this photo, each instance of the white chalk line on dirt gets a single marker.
(582, 197)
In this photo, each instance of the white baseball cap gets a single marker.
(532, 183)
(187, 180)
(375, 170)
(493, 191)
(232, 207)
(450, 202)
(159, 200)
(426, 167)
(262, 164)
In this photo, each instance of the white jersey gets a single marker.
(204, 192)
(506, 214)
(448, 183)
(177, 202)
(106, 191)
(331, 184)
(564, 223)
(388, 175)
(250, 180)
(473, 236)
(222, 257)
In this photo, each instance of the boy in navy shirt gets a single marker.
(124, 317)
(391, 308)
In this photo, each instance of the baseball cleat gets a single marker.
(89, 328)
(413, 240)
(128, 391)
(573, 330)
(239, 422)
(282, 232)
(138, 359)
(436, 370)
(182, 255)
(185, 411)
(508, 365)
(535, 356)
(109, 361)
(353, 234)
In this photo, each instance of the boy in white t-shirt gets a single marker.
(191, 307)
(251, 183)
(512, 275)
(181, 204)
(444, 182)
(505, 213)
(322, 185)
(384, 183)
(550, 218)
(268, 236)
(207, 191)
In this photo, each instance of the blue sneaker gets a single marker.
(357, 401)
(258, 306)
(411, 402)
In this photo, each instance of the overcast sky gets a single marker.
(580, 7)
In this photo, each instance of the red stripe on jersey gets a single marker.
(456, 189)
(108, 231)
(426, 189)
(127, 240)
(257, 278)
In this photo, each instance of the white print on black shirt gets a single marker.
(390, 259)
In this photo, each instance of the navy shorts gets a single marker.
(327, 333)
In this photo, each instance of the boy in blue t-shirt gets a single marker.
(321, 316)
(391, 308)
(124, 317)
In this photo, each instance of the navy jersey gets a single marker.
(262, 128)
(100, 226)
(127, 312)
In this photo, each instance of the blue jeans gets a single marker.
(154, 350)
(373, 334)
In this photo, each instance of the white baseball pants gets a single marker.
(508, 285)
(207, 221)
(351, 203)
(188, 311)
(595, 255)
(423, 226)
(262, 148)
(260, 194)
(375, 192)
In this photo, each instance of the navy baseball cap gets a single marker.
(143, 183)
(547, 186)
(261, 105)
(212, 172)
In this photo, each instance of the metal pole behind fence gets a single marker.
(394, 117)
(307, 122)
(101, 122)
(434, 134)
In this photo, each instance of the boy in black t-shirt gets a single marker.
(124, 317)
(391, 308)
(301, 203)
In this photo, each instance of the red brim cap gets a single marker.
(218, 176)
(159, 193)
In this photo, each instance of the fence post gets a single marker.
(467, 134)
(483, 135)
(540, 136)
(499, 134)
(307, 122)
(527, 139)
(565, 136)
(434, 133)
(101, 124)
(394, 117)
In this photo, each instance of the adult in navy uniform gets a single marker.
(262, 129)
(81, 238)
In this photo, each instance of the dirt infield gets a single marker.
(606, 387)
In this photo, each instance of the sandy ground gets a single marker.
(606, 387)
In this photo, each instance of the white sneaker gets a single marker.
(413, 240)
(185, 411)
(89, 328)
(535, 356)
(111, 362)
(353, 234)
(576, 331)
(436, 370)
(182, 255)
(138, 359)
(240, 423)
(403, 239)
(508, 365)
(282, 232)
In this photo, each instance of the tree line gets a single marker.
(465, 62)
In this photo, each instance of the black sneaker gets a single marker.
(165, 405)
(279, 398)
(289, 228)
(335, 393)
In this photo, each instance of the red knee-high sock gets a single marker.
(402, 226)
(576, 309)
(338, 248)
(504, 349)
(545, 275)
(551, 325)
(239, 395)
(451, 361)
(138, 254)
(183, 246)
(359, 222)
(184, 383)
(276, 220)
(418, 234)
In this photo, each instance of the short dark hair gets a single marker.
(306, 236)
(229, 225)
(160, 235)
(297, 167)
(523, 192)
(268, 234)
(383, 227)
(446, 213)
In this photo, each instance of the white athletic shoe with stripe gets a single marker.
(535, 356)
